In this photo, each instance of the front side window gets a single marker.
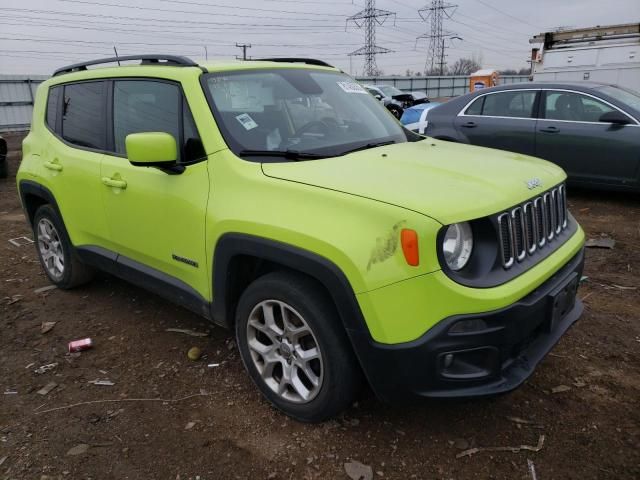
(306, 111)
(193, 150)
(83, 119)
(145, 106)
(574, 107)
(517, 104)
(623, 95)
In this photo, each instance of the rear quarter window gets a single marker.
(476, 107)
(53, 102)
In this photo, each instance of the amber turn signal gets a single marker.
(409, 240)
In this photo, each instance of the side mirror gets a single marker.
(615, 117)
(378, 96)
(151, 149)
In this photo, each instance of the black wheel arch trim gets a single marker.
(321, 269)
(29, 187)
(231, 245)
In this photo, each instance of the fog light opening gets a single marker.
(472, 364)
(448, 360)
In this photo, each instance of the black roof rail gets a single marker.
(174, 60)
(308, 61)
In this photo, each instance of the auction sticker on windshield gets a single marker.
(246, 121)
(351, 87)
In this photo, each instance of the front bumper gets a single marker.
(494, 360)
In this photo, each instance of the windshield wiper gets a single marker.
(369, 145)
(289, 154)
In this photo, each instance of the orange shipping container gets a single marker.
(483, 79)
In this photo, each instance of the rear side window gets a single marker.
(83, 119)
(517, 104)
(52, 108)
(145, 106)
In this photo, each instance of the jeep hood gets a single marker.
(446, 181)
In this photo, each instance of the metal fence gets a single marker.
(436, 87)
(16, 100)
(18, 91)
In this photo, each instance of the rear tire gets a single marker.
(294, 347)
(4, 168)
(56, 253)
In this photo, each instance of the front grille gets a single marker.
(504, 222)
(531, 226)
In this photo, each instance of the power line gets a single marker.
(196, 12)
(163, 21)
(235, 7)
(508, 14)
(369, 18)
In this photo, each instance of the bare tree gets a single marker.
(464, 66)
(436, 72)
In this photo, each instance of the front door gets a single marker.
(503, 120)
(156, 219)
(570, 134)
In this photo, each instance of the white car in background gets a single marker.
(396, 100)
(415, 118)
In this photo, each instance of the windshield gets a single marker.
(299, 111)
(389, 91)
(628, 97)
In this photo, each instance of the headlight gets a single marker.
(457, 245)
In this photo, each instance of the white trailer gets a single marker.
(609, 54)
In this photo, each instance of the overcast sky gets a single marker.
(37, 36)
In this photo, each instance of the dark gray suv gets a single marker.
(591, 130)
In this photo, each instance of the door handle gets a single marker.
(469, 125)
(550, 130)
(55, 166)
(115, 183)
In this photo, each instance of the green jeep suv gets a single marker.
(279, 198)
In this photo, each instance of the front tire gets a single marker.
(55, 251)
(294, 347)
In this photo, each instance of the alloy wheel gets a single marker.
(285, 351)
(50, 248)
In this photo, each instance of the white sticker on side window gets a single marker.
(247, 122)
(351, 87)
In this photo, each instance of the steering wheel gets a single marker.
(319, 124)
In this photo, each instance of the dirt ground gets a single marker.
(212, 423)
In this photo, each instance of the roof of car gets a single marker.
(581, 85)
(173, 61)
(454, 105)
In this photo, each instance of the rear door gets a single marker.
(75, 116)
(570, 134)
(503, 119)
